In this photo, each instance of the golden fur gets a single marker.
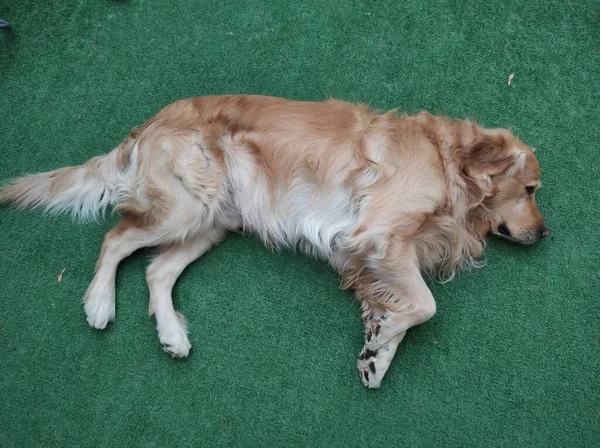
(382, 197)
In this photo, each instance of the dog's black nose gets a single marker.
(544, 232)
(503, 230)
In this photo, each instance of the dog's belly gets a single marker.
(302, 217)
(301, 214)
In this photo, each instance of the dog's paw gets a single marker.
(369, 369)
(174, 339)
(377, 332)
(373, 364)
(99, 308)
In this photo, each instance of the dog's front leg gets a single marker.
(395, 299)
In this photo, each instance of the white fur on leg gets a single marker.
(393, 323)
(373, 365)
(173, 336)
(99, 298)
(161, 276)
(100, 301)
(170, 324)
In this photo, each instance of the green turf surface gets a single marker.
(512, 357)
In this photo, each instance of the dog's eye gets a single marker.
(530, 190)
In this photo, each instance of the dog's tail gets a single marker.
(84, 191)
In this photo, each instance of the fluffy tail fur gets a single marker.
(85, 191)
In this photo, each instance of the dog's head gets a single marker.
(507, 175)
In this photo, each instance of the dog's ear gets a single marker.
(490, 156)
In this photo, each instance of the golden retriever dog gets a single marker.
(384, 198)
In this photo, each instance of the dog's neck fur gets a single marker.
(459, 224)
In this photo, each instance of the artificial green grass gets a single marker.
(512, 357)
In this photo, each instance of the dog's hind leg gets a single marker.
(120, 242)
(162, 275)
